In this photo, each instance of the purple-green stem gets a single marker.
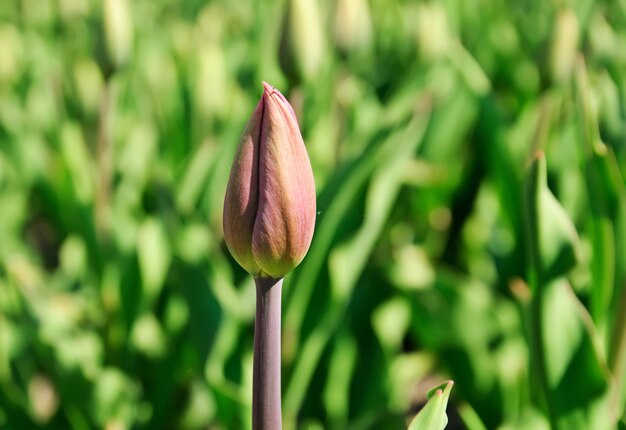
(266, 410)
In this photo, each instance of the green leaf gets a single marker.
(341, 369)
(565, 348)
(554, 243)
(577, 377)
(154, 255)
(78, 162)
(433, 415)
(116, 396)
(529, 419)
(195, 177)
(347, 260)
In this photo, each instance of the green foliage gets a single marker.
(569, 362)
(469, 160)
(433, 415)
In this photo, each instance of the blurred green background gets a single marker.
(442, 251)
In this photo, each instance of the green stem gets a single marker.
(266, 408)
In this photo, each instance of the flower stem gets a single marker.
(266, 410)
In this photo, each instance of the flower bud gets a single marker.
(269, 208)
(564, 45)
(353, 25)
(118, 30)
(302, 43)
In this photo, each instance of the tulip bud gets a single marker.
(353, 25)
(118, 30)
(269, 209)
(302, 41)
(564, 45)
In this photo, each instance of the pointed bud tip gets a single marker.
(271, 93)
(267, 88)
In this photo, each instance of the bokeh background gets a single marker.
(121, 308)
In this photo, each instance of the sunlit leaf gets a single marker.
(433, 415)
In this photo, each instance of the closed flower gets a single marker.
(269, 209)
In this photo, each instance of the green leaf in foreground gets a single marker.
(433, 415)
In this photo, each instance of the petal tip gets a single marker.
(267, 88)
